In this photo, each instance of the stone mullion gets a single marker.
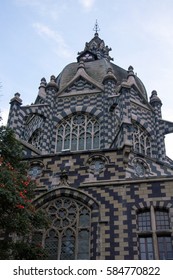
(154, 235)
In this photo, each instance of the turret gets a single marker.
(15, 103)
(156, 104)
(51, 89)
(42, 87)
(109, 82)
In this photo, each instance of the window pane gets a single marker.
(73, 142)
(59, 144)
(81, 141)
(67, 142)
(83, 248)
(68, 246)
(162, 219)
(51, 244)
(141, 140)
(84, 218)
(146, 248)
(67, 129)
(60, 130)
(35, 139)
(144, 221)
(89, 127)
(88, 141)
(78, 132)
(96, 141)
(165, 247)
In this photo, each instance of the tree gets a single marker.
(18, 216)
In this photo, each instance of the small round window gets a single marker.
(35, 171)
(140, 167)
(96, 164)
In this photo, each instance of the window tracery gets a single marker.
(96, 164)
(35, 169)
(35, 139)
(141, 140)
(78, 132)
(33, 123)
(140, 167)
(68, 237)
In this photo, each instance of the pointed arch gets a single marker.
(35, 139)
(142, 140)
(74, 219)
(79, 109)
(78, 131)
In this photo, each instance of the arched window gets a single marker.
(33, 124)
(68, 237)
(78, 132)
(35, 138)
(141, 140)
(154, 237)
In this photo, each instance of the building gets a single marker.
(95, 145)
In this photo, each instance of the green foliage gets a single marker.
(18, 216)
(10, 150)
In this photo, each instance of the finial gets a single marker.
(154, 99)
(16, 98)
(96, 28)
(43, 82)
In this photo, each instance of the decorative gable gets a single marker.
(80, 84)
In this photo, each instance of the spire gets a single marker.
(95, 49)
(96, 29)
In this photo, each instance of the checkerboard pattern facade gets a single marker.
(129, 181)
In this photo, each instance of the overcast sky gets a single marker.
(39, 37)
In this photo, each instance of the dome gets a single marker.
(97, 62)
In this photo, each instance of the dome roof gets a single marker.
(97, 62)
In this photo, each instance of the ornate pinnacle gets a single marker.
(96, 28)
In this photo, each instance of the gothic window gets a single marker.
(154, 237)
(33, 123)
(78, 132)
(35, 139)
(68, 237)
(141, 140)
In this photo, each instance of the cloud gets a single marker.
(49, 8)
(45, 32)
(87, 4)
